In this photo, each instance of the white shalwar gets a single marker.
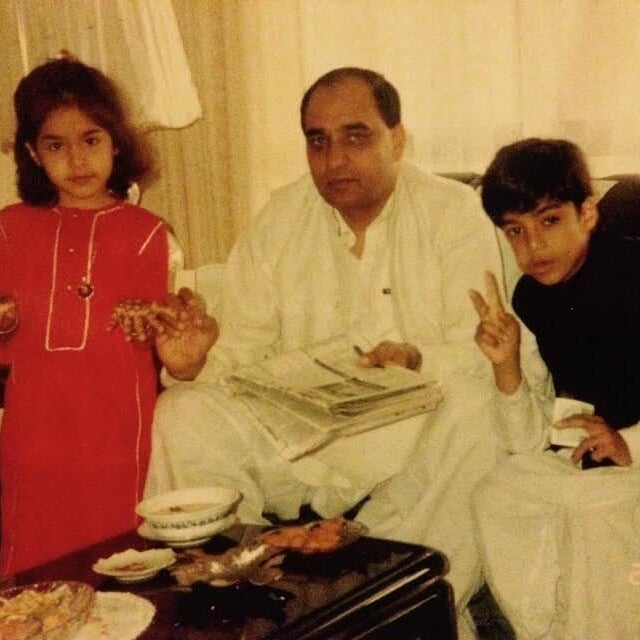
(560, 546)
(292, 281)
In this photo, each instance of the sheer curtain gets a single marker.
(136, 42)
(473, 75)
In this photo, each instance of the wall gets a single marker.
(7, 180)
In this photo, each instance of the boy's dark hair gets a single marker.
(526, 172)
(69, 83)
(384, 93)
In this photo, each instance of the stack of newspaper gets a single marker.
(305, 398)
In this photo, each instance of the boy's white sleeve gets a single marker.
(631, 435)
(524, 416)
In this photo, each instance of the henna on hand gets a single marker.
(139, 320)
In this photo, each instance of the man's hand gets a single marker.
(184, 351)
(9, 318)
(498, 335)
(602, 440)
(387, 353)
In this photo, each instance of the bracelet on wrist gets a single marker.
(10, 330)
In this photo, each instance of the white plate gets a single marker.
(145, 531)
(135, 566)
(117, 616)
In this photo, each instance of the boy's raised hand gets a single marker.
(498, 332)
(498, 335)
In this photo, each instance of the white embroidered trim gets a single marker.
(88, 271)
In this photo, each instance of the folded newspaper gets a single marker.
(305, 398)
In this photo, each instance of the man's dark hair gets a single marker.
(526, 172)
(384, 93)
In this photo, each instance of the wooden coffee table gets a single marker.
(374, 589)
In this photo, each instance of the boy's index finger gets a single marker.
(494, 301)
(479, 304)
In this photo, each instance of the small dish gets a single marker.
(184, 539)
(135, 566)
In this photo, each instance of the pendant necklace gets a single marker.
(85, 288)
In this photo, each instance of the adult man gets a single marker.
(366, 247)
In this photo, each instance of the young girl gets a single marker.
(75, 435)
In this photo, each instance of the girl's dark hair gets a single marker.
(385, 94)
(528, 171)
(70, 83)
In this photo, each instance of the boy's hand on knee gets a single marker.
(602, 440)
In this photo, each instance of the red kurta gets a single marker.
(75, 435)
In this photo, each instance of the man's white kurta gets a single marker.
(291, 281)
(285, 285)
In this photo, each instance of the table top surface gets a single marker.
(314, 592)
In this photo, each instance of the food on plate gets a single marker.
(255, 562)
(322, 536)
(44, 609)
(183, 508)
(133, 565)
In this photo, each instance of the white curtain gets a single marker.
(136, 42)
(472, 74)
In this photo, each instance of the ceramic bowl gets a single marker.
(183, 513)
(186, 538)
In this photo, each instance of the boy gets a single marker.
(580, 299)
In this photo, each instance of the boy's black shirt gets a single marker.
(588, 329)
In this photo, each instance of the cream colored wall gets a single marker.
(11, 73)
(7, 180)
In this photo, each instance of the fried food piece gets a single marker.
(322, 536)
